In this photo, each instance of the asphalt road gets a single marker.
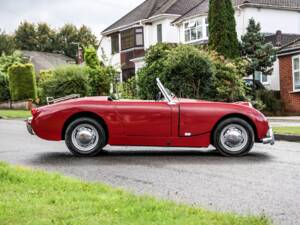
(267, 181)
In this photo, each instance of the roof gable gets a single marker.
(151, 8)
(189, 8)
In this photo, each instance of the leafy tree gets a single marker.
(25, 36)
(45, 38)
(7, 43)
(91, 57)
(86, 37)
(100, 76)
(259, 54)
(67, 40)
(222, 28)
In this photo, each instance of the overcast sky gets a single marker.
(96, 14)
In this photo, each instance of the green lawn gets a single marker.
(14, 114)
(287, 130)
(35, 197)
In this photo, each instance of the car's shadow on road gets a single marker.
(142, 157)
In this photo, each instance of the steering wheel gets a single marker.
(158, 97)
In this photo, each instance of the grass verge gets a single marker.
(14, 114)
(35, 197)
(287, 130)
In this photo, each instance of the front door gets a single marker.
(142, 118)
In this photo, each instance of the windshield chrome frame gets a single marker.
(164, 91)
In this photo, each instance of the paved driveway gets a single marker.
(267, 181)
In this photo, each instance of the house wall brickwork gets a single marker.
(290, 99)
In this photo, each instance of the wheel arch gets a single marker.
(235, 115)
(84, 114)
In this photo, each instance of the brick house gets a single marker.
(289, 70)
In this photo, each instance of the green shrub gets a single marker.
(22, 82)
(229, 85)
(155, 59)
(4, 87)
(191, 72)
(44, 75)
(65, 80)
(100, 80)
(128, 89)
(271, 100)
(100, 76)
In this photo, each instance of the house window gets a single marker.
(196, 30)
(264, 79)
(132, 38)
(115, 48)
(159, 33)
(296, 73)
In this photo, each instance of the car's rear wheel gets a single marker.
(234, 137)
(85, 137)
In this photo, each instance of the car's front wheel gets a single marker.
(85, 137)
(234, 137)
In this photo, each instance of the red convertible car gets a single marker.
(88, 124)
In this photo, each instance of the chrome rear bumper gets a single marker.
(28, 125)
(270, 138)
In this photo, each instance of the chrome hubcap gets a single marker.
(234, 137)
(85, 137)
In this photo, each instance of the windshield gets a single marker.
(169, 96)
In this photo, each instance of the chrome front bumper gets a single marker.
(270, 138)
(28, 125)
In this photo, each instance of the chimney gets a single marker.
(80, 56)
(278, 38)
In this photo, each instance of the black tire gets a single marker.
(97, 129)
(245, 146)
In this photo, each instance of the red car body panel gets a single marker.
(188, 123)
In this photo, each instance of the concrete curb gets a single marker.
(287, 137)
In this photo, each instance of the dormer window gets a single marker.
(196, 30)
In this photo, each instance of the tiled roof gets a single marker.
(291, 47)
(46, 61)
(187, 8)
(203, 6)
(151, 8)
(280, 3)
(283, 40)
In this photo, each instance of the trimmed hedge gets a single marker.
(22, 82)
(4, 87)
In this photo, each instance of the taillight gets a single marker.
(34, 111)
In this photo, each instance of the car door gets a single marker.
(142, 118)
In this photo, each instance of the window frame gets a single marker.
(159, 33)
(261, 78)
(117, 50)
(132, 31)
(295, 71)
(195, 24)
